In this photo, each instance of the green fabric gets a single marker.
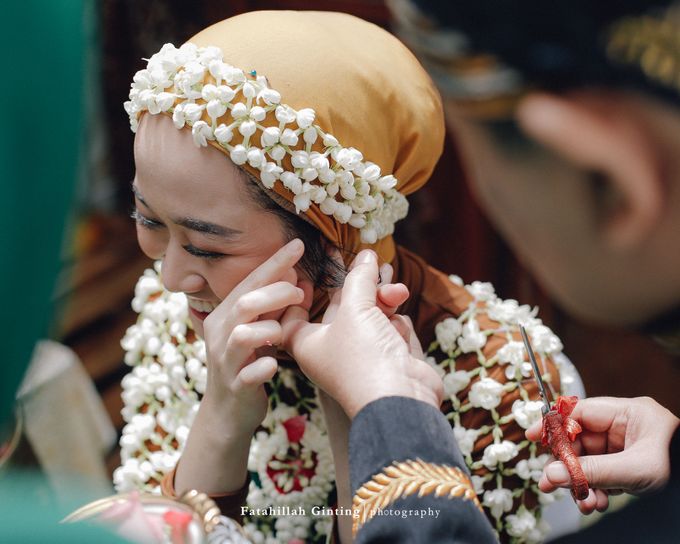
(42, 44)
(41, 96)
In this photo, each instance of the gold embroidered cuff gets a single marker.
(406, 478)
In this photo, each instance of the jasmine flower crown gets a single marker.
(229, 108)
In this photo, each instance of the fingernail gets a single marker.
(366, 256)
(294, 246)
(557, 473)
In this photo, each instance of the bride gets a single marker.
(268, 129)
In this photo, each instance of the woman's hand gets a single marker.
(237, 328)
(624, 447)
(215, 457)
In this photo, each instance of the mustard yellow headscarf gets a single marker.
(366, 89)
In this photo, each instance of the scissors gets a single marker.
(537, 373)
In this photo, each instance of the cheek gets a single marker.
(153, 244)
(224, 276)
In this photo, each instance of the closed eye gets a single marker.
(196, 252)
(145, 221)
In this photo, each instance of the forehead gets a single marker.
(172, 172)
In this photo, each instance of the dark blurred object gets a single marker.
(561, 44)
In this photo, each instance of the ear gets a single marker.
(604, 134)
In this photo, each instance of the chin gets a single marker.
(197, 325)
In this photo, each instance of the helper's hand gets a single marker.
(624, 447)
(236, 329)
(357, 355)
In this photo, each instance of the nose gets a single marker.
(179, 272)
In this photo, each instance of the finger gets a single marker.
(414, 343)
(593, 443)
(598, 414)
(534, 432)
(401, 325)
(360, 286)
(587, 505)
(391, 296)
(247, 337)
(255, 374)
(297, 329)
(428, 377)
(276, 296)
(386, 274)
(614, 470)
(272, 270)
(602, 500)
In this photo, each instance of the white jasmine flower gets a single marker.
(216, 109)
(269, 173)
(270, 136)
(486, 393)
(201, 133)
(531, 468)
(481, 290)
(465, 438)
(192, 112)
(478, 484)
(499, 453)
(284, 114)
(525, 527)
(257, 113)
(277, 153)
(527, 412)
(247, 128)
(305, 117)
(223, 134)
(269, 96)
(472, 338)
(498, 501)
(447, 333)
(249, 90)
(543, 339)
(289, 137)
(454, 382)
(239, 110)
(239, 155)
(310, 135)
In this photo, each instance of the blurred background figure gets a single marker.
(567, 117)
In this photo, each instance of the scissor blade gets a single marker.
(537, 372)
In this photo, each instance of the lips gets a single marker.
(200, 308)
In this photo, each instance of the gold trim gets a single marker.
(652, 43)
(204, 506)
(404, 479)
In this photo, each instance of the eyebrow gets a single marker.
(197, 225)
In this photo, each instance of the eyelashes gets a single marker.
(189, 248)
(144, 221)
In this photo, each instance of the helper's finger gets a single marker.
(414, 342)
(360, 286)
(386, 274)
(401, 326)
(297, 330)
(391, 296)
(614, 470)
(533, 433)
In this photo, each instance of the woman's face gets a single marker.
(194, 213)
